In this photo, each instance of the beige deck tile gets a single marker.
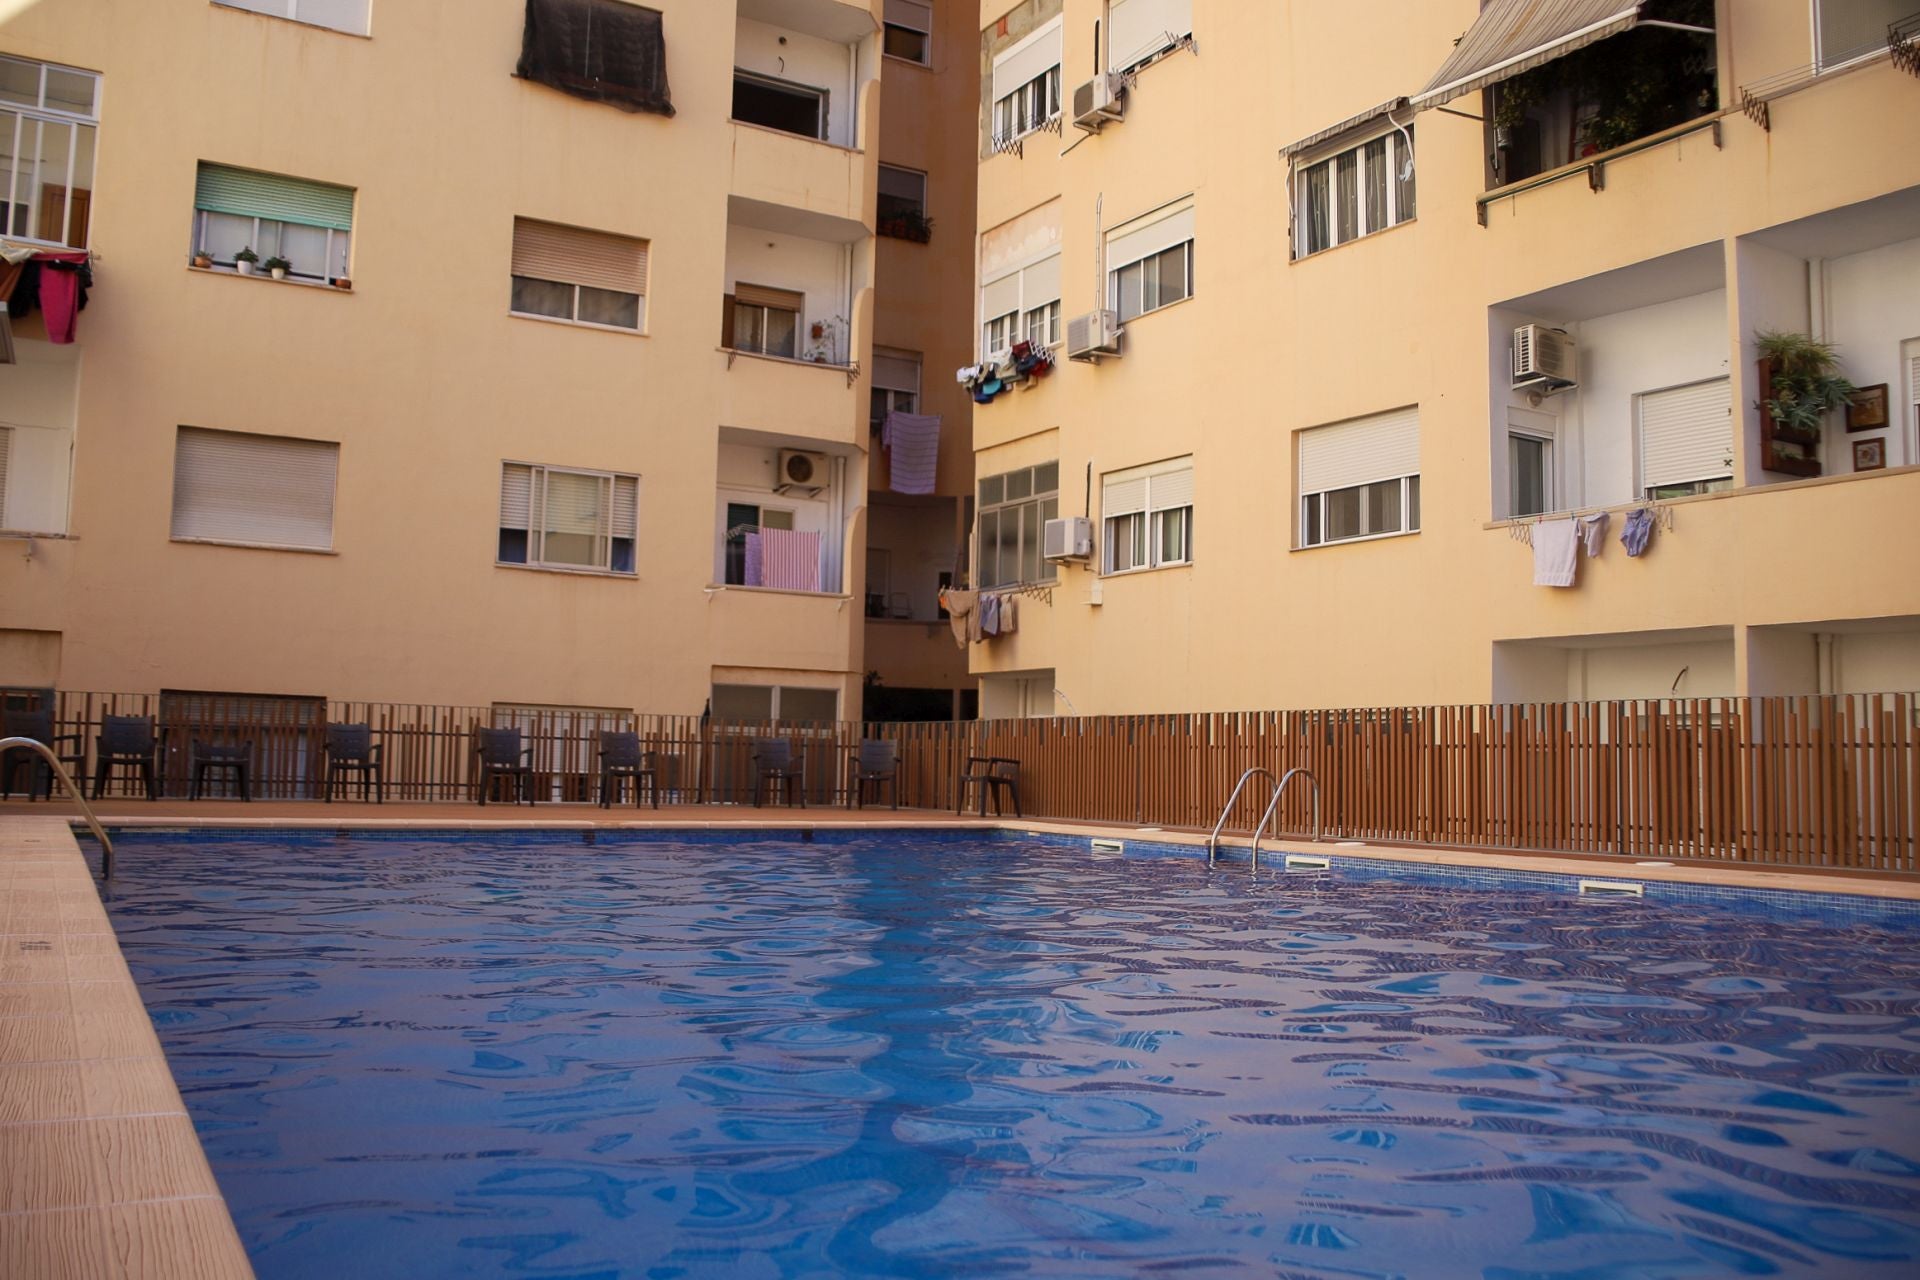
(68, 1244)
(37, 1091)
(177, 1239)
(25, 999)
(51, 1165)
(32, 958)
(98, 968)
(128, 1087)
(149, 1158)
(47, 1037)
(114, 1032)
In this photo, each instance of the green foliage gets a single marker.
(1806, 384)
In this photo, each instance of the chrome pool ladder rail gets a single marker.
(1213, 841)
(1273, 807)
(79, 797)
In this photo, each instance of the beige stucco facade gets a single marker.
(429, 382)
(1661, 263)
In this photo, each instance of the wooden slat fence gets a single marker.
(1829, 781)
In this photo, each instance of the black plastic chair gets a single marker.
(502, 756)
(129, 742)
(774, 763)
(216, 757)
(351, 749)
(39, 726)
(991, 776)
(621, 761)
(875, 764)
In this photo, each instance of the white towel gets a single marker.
(912, 442)
(1593, 532)
(1556, 543)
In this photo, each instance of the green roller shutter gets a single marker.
(265, 195)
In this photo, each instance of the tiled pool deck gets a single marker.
(101, 1174)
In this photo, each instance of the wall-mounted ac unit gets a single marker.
(1544, 358)
(801, 470)
(1093, 335)
(1070, 538)
(1099, 102)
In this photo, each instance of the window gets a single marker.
(310, 224)
(581, 277)
(1353, 193)
(778, 104)
(1141, 30)
(47, 141)
(908, 31)
(903, 194)
(1014, 507)
(560, 518)
(1023, 303)
(774, 702)
(744, 518)
(1026, 84)
(1151, 263)
(896, 384)
(262, 491)
(1686, 439)
(1847, 30)
(764, 321)
(601, 50)
(1529, 473)
(1148, 515)
(1360, 479)
(341, 15)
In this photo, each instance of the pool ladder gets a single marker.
(1273, 807)
(79, 797)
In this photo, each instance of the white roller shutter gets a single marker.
(1123, 495)
(570, 255)
(913, 14)
(1141, 28)
(896, 373)
(1147, 236)
(1171, 489)
(516, 496)
(1686, 434)
(999, 297)
(1027, 60)
(1159, 486)
(1040, 283)
(1384, 446)
(263, 490)
(626, 506)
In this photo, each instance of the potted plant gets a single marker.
(202, 259)
(342, 282)
(245, 260)
(279, 267)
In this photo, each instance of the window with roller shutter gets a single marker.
(1147, 513)
(1360, 479)
(349, 16)
(564, 518)
(253, 490)
(309, 224)
(577, 276)
(908, 31)
(1686, 439)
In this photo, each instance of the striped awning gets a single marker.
(1513, 36)
(1335, 130)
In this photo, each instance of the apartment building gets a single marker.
(1346, 325)
(509, 353)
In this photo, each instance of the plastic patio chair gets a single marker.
(621, 761)
(351, 749)
(39, 726)
(502, 756)
(774, 763)
(126, 742)
(876, 763)
(990, 776)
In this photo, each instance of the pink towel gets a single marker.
(792, 560)
(912, 442)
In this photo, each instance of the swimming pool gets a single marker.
(929, 1055)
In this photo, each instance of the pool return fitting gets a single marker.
(1273, 807)
(79, 797)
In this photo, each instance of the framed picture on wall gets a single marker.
(1870, 455)
(1867, 408)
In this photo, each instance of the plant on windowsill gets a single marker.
(342, 282)
(245, 260)
(1800, 384)
(203, 259)
(908, 225)
(278, 266)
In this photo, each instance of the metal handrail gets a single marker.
(1273, 807)
(1213, 841)
(79, 798)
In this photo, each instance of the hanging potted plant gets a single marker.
(1803, 384)
(279, 267)
(245, 260)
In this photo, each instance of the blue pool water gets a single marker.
(908, 1056)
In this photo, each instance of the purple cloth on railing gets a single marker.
(755, 574)
(792, 560)
(912, 441)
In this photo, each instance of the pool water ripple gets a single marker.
(893, 1056)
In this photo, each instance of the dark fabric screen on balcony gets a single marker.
(601, 50)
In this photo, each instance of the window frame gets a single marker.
(640, 309)
(1029, 108)
(293, 15)
(1549, 495)
(1399, 152)
(1822, 67)
(880, 212)
(1039, 499)
(1147, 526)
(1115, 284)
(892, 402)
(262, 439)
(765, 309)
(1313, 510)
(203, 221)
(733, 551)
(42, 114)
(888, 24)
(793, 88)
(536, 537)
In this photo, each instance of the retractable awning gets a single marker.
(1335, 130)
(1512, 36)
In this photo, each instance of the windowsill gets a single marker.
(255, 546)
(797, 137)
(1811, 482)
(579, 324)
(713, 588)
(1348, 244)
(266, 275)
(731, 352)
(1348, 542)
(1107, 575)
(46, 246)
(32, 535)
(570, 570)
(909, 62)
(295, 22)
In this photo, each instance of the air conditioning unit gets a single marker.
(1093, 335)
(1543, 358)
(1067, 539)
(801, 470)
(1100, 101)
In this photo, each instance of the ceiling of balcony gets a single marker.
(837, 20)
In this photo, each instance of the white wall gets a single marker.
(1773, 295)
(1877, 662)
(814, 268)
(1648, 671)
(1871, 306)
(37, 400)
(1019, 695)
(803, 59)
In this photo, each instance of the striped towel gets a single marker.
(912, 441)
(792, 559)
(755, 574)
